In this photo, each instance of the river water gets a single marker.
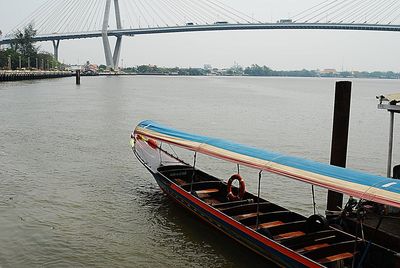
(73, 195)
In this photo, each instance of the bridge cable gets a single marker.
(369, 13)
(179, 15)
(131, 5)
(350, 7)
(357, 9)
(203, 7)
(226, 8)
(181, 11)
(42, 23)
(144, 17)
(327, 4)
(193, 12)
(379, 14)
(90, 16)
(324, 11)
(82, 8)
(96, 16)
(65, 14)
(158, 15)
(129, 16)
(50, 21)
(87, 16)
(241, 13)
(391, 10)
(30, 19)
(172, 16)
(145, 9)
(309, 9)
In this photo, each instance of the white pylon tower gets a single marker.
(112, 60)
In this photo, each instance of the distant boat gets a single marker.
(281, 236)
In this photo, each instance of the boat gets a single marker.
(283, 237)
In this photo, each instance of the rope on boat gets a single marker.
(194, 170)
(370, 240)
(258, 198)
(313, 199)
(160, 149)
(360, 222)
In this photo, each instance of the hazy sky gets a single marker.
(278, 49)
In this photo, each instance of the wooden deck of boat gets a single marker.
(279, 224)
(325, 245)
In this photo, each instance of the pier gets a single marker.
(29, 75)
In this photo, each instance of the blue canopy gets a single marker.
(355, 183)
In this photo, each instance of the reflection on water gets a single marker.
(73, 195)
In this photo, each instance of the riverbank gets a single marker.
(30, 75)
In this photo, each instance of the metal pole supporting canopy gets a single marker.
(389, 103)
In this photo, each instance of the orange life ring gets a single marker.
(242, 188)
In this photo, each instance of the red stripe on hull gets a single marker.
(247, 231)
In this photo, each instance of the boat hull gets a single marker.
(261, 245)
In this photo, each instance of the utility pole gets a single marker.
(9, 63)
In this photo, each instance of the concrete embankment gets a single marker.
(29, 75)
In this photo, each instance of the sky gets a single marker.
(277, 49)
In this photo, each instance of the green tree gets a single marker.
(24, 43)
(256, 70)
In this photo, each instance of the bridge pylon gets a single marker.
(56, 44)
(112, 59)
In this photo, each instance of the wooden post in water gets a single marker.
(78, 77)
(340, 134)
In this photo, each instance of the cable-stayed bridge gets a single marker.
(59, 20)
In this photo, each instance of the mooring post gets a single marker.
(390, 151)
(78, 77)
(340, 134)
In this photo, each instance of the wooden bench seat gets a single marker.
(246, 216)
(309, 239)
(289, 235)
(267, 224)
(336, 257)
(311, 248)
(206, 193)
(180, 181)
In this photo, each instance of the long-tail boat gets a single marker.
(278, 234)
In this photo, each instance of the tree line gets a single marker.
(255, 70)
(23, 54)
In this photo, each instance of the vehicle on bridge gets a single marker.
(285, 21)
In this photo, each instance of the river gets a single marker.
(73, 195)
